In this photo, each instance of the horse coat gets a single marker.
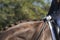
(26, 31)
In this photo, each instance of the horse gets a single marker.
(32, 30)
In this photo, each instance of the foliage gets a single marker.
(15, 10)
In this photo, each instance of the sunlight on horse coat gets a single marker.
(26, 31)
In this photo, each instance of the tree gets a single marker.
(14, 10)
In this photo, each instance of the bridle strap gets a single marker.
(37, 36)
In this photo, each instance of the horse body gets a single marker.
(26, 31)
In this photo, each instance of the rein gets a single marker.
(52, 29)
(38, 34)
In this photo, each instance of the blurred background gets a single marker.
(12, 11)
